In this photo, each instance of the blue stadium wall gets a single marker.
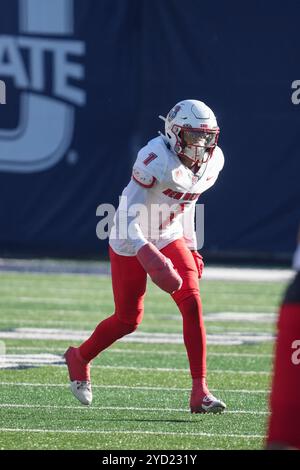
(85, 82)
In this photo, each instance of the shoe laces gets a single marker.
(210, 396)
(84, 385)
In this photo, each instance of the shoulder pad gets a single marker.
(215, 165)
(218, 157)
(152, 159)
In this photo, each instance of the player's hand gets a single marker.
(160, 268)
(199, 262)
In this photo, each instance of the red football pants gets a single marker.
(129, 287)
(284, 423)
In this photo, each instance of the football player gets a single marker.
(172, 170)
(284, 422)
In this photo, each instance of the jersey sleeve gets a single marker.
(149, 167)
(127, 224)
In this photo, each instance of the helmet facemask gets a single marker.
(197, 144)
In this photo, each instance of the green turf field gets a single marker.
(141, 389)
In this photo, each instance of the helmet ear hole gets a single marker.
(169, 135)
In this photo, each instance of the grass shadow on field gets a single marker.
(146, 420)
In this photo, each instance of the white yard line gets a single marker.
(133, 387)
(55, 323)
(102, 269)
(255, 317)
(105, 306)
(44, 300)
(120, 408)
(247, 274)
(19, 286)
(217, 317)
(139, 432)
(169, 369)
(140, 351)
(229, 337)
(11, 360)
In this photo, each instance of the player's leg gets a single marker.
(284, 423)
(129, 286)
(189, 303)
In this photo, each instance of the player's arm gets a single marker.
(159, 268)
(190, 237)
(147, 171)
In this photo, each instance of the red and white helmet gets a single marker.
(192, 130)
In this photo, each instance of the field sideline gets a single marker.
(141, 384)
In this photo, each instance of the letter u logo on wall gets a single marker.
(46, 123)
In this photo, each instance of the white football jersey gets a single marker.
(168, 191)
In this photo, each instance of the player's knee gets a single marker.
(131, 324)
(132, 328)
(188, 297)
(129, 327)
(191, 305)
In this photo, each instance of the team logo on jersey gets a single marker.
(46, 117)
(178, 174)
(173, 113)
